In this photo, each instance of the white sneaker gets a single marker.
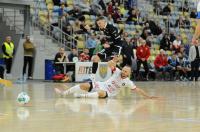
(76, 95)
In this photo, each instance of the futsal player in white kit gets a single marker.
(111, 87)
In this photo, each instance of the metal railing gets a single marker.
(12, 20)
(64, 40)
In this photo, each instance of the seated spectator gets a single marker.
(91, 44)
(180, 22)
(73, 55)
(157, 7)
(142, 53)
(117, 16)
(166, 10)
(165, 43)
(132, 18)
(161, 63)
(184, 7)
(110, 9)
(172, 60)
(193, 14)
(60, 57)
(176, 45)
(75, 13)
(84, 57)
(183, 67)
(172, 37)
(187, 22)
(110, 19)
(146, 31)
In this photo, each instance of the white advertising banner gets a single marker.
(84, 69)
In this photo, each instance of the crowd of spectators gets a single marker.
(172, 55)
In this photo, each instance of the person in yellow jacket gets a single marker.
(8, 51)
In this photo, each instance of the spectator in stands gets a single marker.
(176, 45)
(117, 16)
(125, 37)
(110, 9)
(142, 53)
(157, 7)
(165, 43)
(183, 67)
(29, 50)
(166, 10)
(161, 62)
(184, 7)
(62, 11)
(146, 31)
(75, 13)
(193, 14)
(172, 37)
(76, 26)
(194, 57)
(84, 57)
(133, 17)
(60, 57)
(180, 22)
(173, 63)
(8, 48)
(103, 5)
(73, 55)
(110, 19)
(91, 43)
(187, 22)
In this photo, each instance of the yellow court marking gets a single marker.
(6, 83)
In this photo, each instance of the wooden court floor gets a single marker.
(179, 111)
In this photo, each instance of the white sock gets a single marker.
(72, 90)
(89, 95)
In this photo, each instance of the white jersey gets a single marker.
(113, 85)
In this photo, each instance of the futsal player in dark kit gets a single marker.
(116, 45)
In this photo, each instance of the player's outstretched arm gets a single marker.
(144, 94)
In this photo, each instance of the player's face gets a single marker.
(101, 24)
(126, 71)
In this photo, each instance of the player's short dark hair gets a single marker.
(100, 18)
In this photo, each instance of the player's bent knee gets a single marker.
(85, 86)
(102, 94)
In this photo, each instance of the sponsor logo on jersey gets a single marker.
(103, 70)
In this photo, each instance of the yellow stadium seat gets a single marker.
(80, 44)
(49, 1)
(50, 6)
(169, 52)
(156, 46)
(87, 17)
(157, 52)
(121, 26)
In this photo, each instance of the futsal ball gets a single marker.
(23, 98)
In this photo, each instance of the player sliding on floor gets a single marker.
(111, 87)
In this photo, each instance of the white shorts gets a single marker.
(98, 86)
